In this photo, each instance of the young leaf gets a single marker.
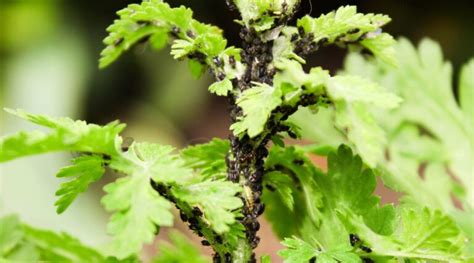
(180, 250)
(344, 25)
(221, 88)
(257, 104)
(381, 45)
(157, 21)
(86, 170)
(466, 89)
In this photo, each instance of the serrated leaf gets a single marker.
(65, 135)
(23, 243)
(138, 209)
(221, 88)
(257, 104)
(85, 170)
(156, 20)
(208, 159)
(196, 68)
(345, 22)
(216, 199)
(382, 46)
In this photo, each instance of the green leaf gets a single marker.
(381, 45)
(11, 234)
(65, 135)
(196, 68)
(258, 12)
(257, 104)
(134, 200)
(138, 209)
(86, 170)
(356, 89)
(180, 250)
(208, 159)
(23, 243)
(428, 129)
(466, 89)
(279, 183)
(216, 199)
(265, 259)
(422, 234)
(362, 130)
(221, 88)
(300, 251)
(344, 24)
(157, 20)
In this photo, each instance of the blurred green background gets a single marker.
(48, 64)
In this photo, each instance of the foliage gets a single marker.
(395, 120)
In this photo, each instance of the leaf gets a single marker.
(344, 23)
(65, 135)
(196, 68)
(466, 89)
(216, 199)
(300, 251)
(180, 250)
(208, 159)
(221, 88)
(11, 234)
(157, 21)
(20, 242)
(86, 170)
(381, 45)
(362, 130)
(133, 199)
(356, 89)
(257, 104)
(138, 209)
(428, 128)
(280, 184)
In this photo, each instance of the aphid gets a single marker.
(118, 41)
(232, 61)
(196, 211)
(175, 30)
(366, 249)
(217, 61)
(228, 257)
(312, 260)
(221, 76)
(218, 239)
(354, 239)
(184, 218)
(294, 37)
(259, 209)
(216, 258)
(190, 34)
(205, 243)
(271, 187)
(353, 31)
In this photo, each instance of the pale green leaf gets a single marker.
(344, 23)
(356, 89)
(85, 170)
(466, 89)
(138, 210)
(221, 88)
(382, 46)
(65, 135)
(257, 105)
